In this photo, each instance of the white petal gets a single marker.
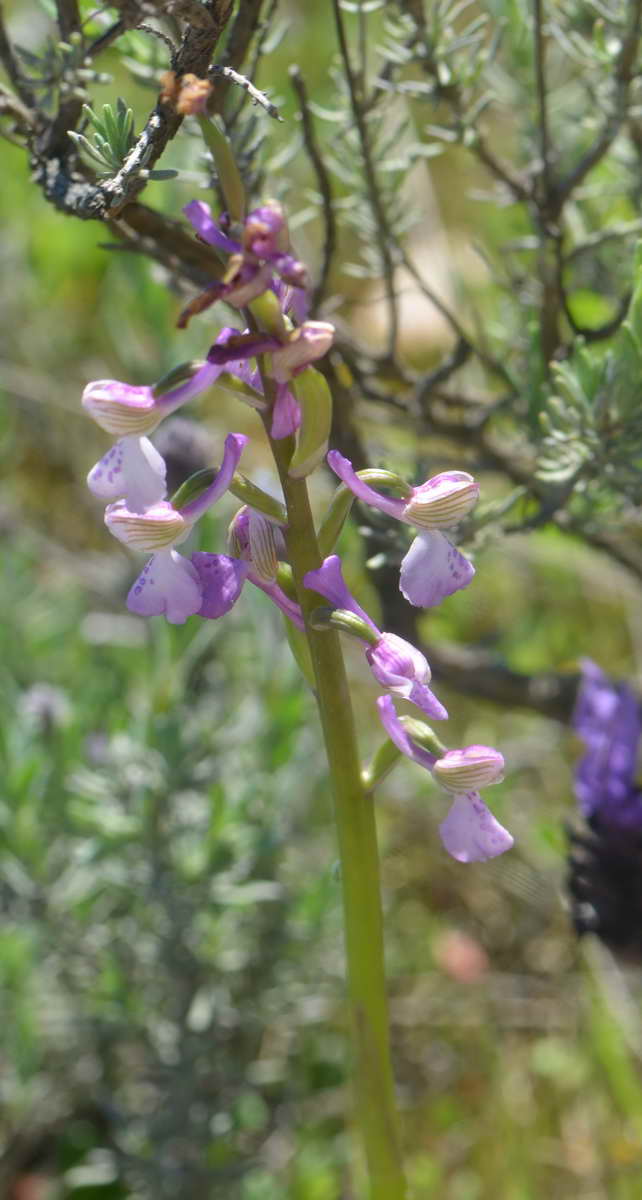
(132, 470)
(106, 479)
(433, 569)
(167, 584)
(470, 832)
(144, 470)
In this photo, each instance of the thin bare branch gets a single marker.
(110, 35)
(246, 25)
(426, 385)
(242, 81)
(68, 18)
(324, 185)
(23, 117)
(541, 93)
(501, 171)
(167, 241)
(374, 195)
(492, 363)
(243, 29)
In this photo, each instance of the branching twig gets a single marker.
(541, 93)
(450, 364)
(242, 81)
(72, 193)
(492, 363)
(23, 116)
(624, 73)
(250, 24)
(599, 237)
(105, 39)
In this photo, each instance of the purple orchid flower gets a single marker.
(607, 717)
(303, 346)
(133, 468)
(433, 568)
(288, 358)
(170, 583)
(258, 545)
(396, 664)
(261, 259)
(231, 355)
(265, 232)
(469, 832)
(264, 238)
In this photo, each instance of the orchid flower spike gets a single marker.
(132, 468)
(396, 664)
(257, 545)
(469, 832)
(433, 568)
(170, 583)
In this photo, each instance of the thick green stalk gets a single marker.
(359, 863)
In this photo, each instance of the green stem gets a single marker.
(359, 862)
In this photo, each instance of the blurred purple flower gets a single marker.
(607, 717)
(605, 859)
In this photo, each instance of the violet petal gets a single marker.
(328, 581)
(167, 584)
(234, 444)
(286, 414)
(400, 737)
(433, 569)
(200, 217)
(470, 832)
(343, 468)
(221, 579)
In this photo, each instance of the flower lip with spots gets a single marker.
(170, 583)
(469, 832)
(433, 568)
